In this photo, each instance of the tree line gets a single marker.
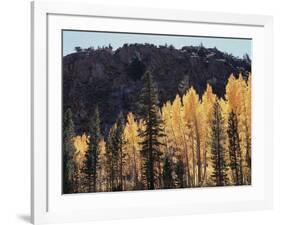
(188, 142)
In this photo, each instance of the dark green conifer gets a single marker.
(150, 145)
(92, 155)
(167, 174)
(218, 151)
(68, 153)
(179, 170)
(234, 149)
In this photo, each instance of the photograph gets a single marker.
(154, 111)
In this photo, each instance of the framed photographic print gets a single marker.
(147, 112)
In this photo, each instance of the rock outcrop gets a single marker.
(112, 79)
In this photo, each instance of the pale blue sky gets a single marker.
(85, 39)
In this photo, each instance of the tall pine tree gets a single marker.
(150, 144)
(68, 153)
(92, 156)
(167, 174)
(179, 170)
(115, 154)
(119, 145)
(110, 159)
(234, 149)
(218, 151)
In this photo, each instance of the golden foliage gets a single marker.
(187, 122)
(81, 146)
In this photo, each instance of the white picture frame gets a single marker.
(47, 203)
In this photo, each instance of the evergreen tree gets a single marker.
(119, 145)
(234, 149)
(68, 153)
(136, 68)
(218, 152)
(167, 174)
(150, 144)
(179, 170)
(92, 156)
(110, 160)
(113, 146)
(78, 49)
(115, 152)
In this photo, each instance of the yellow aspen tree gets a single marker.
(192, 120)
(162, 151)
(141, 128)
(233, 104)
(238, 95)
(241, 117)
(232, 94)
(171, 138)
(174, 149)
(81, 147)
(171, 145)
(132, 147)
(225, 110)
(245, 124)
(177, 121)
(102, 172)
(248, 107)
(208, 100)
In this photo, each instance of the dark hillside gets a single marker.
(112, 79)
